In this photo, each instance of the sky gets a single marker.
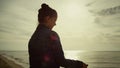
(91, 25)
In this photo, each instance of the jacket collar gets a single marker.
(43, 26)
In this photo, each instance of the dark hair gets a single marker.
(44, 11)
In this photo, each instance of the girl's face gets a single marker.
(51, 21)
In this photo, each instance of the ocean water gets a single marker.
(95, 59)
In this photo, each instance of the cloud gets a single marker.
(14, 18)
(109, 11)
(107, 18)
(17, 23)
(109, 27)
(18, 20)
(90, 3)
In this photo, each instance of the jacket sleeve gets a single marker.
(59, 54)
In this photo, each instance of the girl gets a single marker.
(45, 50)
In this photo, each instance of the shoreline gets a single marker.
(6, 63)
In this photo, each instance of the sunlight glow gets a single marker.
(75, 10)
(72, 10)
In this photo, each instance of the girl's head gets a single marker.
(47, 16)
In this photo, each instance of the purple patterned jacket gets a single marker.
(45, 50)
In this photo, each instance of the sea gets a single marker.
(94, 59)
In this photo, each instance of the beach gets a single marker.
(7, 63)
(94, 59)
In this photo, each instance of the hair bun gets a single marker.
(44, 6)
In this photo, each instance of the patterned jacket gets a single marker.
(45, 50)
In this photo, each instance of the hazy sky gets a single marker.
(81, 24)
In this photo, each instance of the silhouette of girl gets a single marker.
(45, 50)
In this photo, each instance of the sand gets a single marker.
(6, 63)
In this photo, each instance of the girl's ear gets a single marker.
(47, 18)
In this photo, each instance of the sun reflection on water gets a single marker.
(73, 54)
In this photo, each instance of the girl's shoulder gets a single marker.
(54, 35)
